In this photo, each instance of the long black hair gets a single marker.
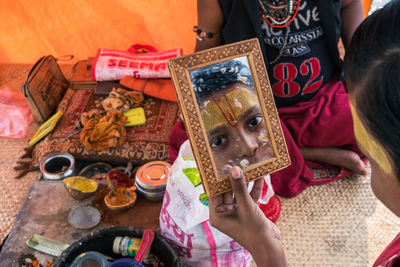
(216, 77)
(372, 62)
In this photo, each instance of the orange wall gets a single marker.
(31, 29)
(367, 6)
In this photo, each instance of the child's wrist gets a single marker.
(267, 250)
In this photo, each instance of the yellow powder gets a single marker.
(81, 184)
(369, 144)
(228, 108)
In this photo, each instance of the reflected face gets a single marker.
(235, 127)
(384, 183)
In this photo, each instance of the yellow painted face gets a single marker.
(370, 144)
(226, 109)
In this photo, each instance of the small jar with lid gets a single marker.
(126, 245)
(151, 180)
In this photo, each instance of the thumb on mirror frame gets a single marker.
(239, 186)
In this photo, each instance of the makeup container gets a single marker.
(57, 166)
(151, 180)
(126, 246)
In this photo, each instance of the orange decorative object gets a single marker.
(158, 88)
(101, 133)
(121, 198)
(122, 100)
(122, 194)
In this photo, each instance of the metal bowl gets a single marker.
(96, 171)
(57, 166)
(110, 198)
(80, 187)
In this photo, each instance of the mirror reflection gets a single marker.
(231, 114)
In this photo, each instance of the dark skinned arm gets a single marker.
(210, 19)
(236, 214)
(352, 15)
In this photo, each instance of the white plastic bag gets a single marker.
(184, 220)
(15, 114)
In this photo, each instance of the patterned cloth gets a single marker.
(147, 142)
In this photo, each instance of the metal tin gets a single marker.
(57, 166)
(152, 196)
(153, 176)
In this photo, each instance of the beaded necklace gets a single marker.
(279, 18)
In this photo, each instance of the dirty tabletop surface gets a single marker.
(46, 210)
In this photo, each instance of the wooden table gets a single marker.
(46, 210)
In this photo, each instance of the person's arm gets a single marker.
(239, 217)
(352, 14)
(210, 19)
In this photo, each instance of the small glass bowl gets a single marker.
(96, 171)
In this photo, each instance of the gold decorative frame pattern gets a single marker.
(179, 68)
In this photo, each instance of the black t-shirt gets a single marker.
(305, 65)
